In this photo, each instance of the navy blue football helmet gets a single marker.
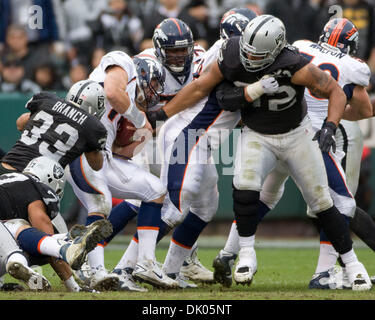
(234, 22)
(174, 45)
(150, 81)
(342, 34)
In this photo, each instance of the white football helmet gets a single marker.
(88, 95)
(49, 172)
(261, 42)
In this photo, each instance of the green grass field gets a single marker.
(283, 274)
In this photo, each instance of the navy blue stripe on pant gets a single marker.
(335, 180)
(79, 178)
(176, 171)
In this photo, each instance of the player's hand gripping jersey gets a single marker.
(346, 70)
(56, 129)
(271, 113)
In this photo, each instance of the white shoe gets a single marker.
(83, 275)
(182, 281)
(101, 280)
(334, 278)
(74, 253)
(150, 272)
(192, 269)
(32, 279)
(358, 276)
(127, 282)
(246, 266)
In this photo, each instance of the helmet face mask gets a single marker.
(49, 172)
(150, 81)
(261, 42)
(342, 34)
(234, 22)
(174, 46)
(88, 95)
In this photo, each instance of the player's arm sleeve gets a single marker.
(359, 76)
(298, 62)
(117, 58)
(230, 97)
(97, 142)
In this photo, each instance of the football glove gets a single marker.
(154, 116)
(326, 137)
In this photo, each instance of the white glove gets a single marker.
(266, 84)
(269, 84)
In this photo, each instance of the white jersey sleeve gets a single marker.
(346, 70)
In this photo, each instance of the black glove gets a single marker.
(154, 116)
(326, 137)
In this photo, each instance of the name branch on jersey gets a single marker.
(70, 112)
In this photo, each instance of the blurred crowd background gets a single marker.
(77, 33)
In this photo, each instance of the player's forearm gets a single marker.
(95, 159)
(118, 99)
(336, 106)
(186, 98)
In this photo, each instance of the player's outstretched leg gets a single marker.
(18, 268)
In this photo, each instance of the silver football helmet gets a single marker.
(261, 42)
(49, 172)
(88, 95)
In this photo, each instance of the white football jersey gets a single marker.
(111, 118)
(224, 121)
(347, 71)
(172, 86)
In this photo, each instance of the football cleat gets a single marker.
(32, 279)
(192, 269)
(358, 276)
(334, 278)
(101, 280)
(182, 281)
(127, 282)
(76, 231)
(246, 266)
(83, 275)
(372, 279)
(223, 264)
(150, 272)
(74, 253)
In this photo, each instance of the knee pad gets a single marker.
(245, 202)
(14, 224)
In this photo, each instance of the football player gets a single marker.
(174, 48)
(338, 43)
(29, 201)
(274, 76)
(192, 183)
(120, 177)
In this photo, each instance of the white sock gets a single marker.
(232, 245)
(130, 256)
(72, 285)
(246, 241)
(49, 246)
(349, 257)
(95, 258)
(146, 244)
(327, 257)
(20, 258)
(175, 258)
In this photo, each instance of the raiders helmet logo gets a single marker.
(58, 173)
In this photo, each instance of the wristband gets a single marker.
(134, 115)
(254, 90)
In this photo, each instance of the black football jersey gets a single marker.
(271, 113)
(18, 190)
(56, 129)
